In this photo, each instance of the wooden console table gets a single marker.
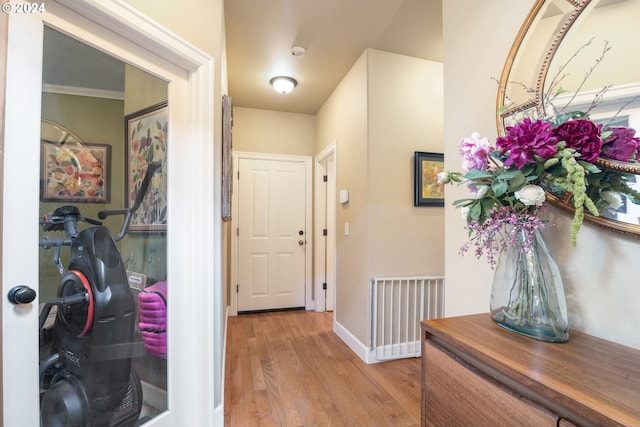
(475, 373)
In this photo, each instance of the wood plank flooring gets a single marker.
(290, 369)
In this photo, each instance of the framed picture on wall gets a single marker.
(227, 163)
(146, 141)
(427, 190)
(75, 172)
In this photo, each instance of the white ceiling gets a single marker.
(259, 37)
(260, 34)
(69, 63)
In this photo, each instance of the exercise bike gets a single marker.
(86, 379)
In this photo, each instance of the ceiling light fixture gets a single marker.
(283, 84)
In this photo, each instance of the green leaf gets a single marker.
(504, 108)
(606, 134)
(499, 187)
(589, 167)
(517, 182)
(509, 174)
(476, 174)
(475, 211)
(487, 204)
(460, 203)
(572, 115)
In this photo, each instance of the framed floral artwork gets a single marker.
(75, 172)
(227, 163)
(146, 141)
(427, 190)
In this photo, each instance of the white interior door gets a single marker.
(330, 248)
(20, 219)
(193, 256)
(325, 227)
(272, 235)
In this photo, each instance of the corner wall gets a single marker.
(387, 107)
(343, 118)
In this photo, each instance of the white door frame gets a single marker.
(237, 155)
(325, 216)
(195, 339)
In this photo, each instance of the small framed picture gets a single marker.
(427, 190)
(75, 172)
(227, 162)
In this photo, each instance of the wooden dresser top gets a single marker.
(596, 379)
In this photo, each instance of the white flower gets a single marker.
(614, 199)
(481, 191)
(464, 212)
(531, 195)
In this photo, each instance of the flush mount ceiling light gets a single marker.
(283, 84)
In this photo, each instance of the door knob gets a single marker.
(301, 242)
(21, 295)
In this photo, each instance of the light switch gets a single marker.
(346, 228)
(344, 196)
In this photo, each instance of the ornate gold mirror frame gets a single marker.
(521, 88)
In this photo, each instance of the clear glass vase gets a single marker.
(527, 295)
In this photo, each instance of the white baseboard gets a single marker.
(154, 399)
(218, 415)
(361, 350)
(397, 351)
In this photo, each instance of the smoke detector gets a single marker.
(298, 51)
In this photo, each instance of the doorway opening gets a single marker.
(325, 229)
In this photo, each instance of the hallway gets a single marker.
(290, 369)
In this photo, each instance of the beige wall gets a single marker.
(600, 274)
(343, 119)
(142, 90)
(470, 105)
(274, 132)
(405, 115)
(387, 107)
(78, 114)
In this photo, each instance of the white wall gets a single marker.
(600, 277)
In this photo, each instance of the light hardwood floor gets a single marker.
(290, 369)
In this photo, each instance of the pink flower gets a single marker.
(583, 136)
(474, 152)
(525, 140)
(621, 144)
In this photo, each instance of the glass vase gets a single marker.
(527, 295)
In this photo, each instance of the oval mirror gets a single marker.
(573, 55)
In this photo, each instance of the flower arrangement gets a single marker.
(507, 182)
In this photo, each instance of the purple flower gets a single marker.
(474, 152)
(581, 135)
(525, 140)
(621, 144)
